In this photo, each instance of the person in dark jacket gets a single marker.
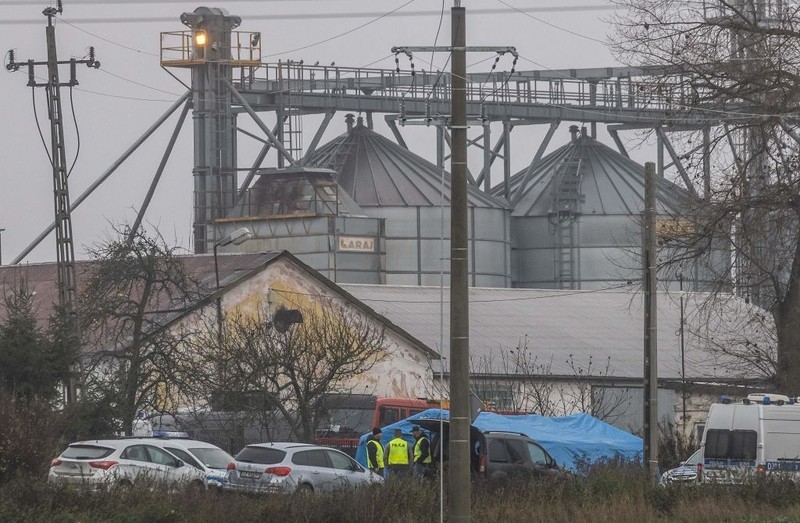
(422, 454)
(375, 452)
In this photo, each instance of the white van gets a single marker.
(758, 436)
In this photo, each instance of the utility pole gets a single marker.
(1, 246)
(650, 381)
(460, 411)
(460, 419)
(65, 251)
(683, 354)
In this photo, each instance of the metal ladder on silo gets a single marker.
(566, 200)
(292, 125)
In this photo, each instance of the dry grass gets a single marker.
(607, 494)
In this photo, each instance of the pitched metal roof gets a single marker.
(42, 277)
(377, 172)
(559, 325)
(610, 182)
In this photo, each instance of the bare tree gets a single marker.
(135, 287)
(731, 68)
(527, 384)
(272, 365)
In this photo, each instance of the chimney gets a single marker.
(583, 131)
(360, 121)
(573, 131)
(348, 118)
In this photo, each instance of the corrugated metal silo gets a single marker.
(578, 223)
(304, 211)
(390, 182)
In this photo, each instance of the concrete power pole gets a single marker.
(460, 411)
(459, 494)
(65, 251)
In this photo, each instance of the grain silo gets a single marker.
(577, 223)
(413, 196)
(304, 211)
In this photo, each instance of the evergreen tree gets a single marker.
(29, 365)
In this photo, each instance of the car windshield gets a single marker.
(260, 455)
(694, 459)
(212, 458)
(350, 421)
(86, 452)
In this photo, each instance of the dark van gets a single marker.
(496, 454)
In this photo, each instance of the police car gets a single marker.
(756, 437)
(210, 459)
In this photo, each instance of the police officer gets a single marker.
(398, 456)
(422, 454)
(375, 452)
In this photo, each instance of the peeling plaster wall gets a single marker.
(405, 371)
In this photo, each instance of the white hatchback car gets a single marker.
(212, 460)
(295, 467)
(108, 464)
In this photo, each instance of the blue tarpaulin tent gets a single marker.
(570, 440)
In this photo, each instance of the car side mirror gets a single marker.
(178, 464)
(355, 467)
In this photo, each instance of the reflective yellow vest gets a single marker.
(378, 454)
(418, 451)
(398, 452)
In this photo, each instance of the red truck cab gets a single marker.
(348, 416)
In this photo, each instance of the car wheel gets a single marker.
(305, 489)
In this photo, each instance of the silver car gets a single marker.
(686, 473)
(295, 467)
(210, 459)
(108, 464)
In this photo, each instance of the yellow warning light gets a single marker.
(200, 38)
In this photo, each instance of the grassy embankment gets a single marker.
(613, 494)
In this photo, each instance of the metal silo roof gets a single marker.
(377, 172)
(610, 183)
(295, 190)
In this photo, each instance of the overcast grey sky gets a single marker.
(116, 103)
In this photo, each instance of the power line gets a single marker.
(106, 39)
(554, 26)
(331, 15)
(106, 71)
(558, 294)
(114, 2)
(350, 31)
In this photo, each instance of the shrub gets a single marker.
(30, 436)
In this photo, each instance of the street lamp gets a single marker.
(237, 237)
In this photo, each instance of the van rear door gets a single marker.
(730, 443)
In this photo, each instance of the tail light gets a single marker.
(760, 470)
(105, 464)
(699, 471)
(482, 465)
(56, 462)
(278, 471)
(231, 466)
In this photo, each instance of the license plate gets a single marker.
(249, 475)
